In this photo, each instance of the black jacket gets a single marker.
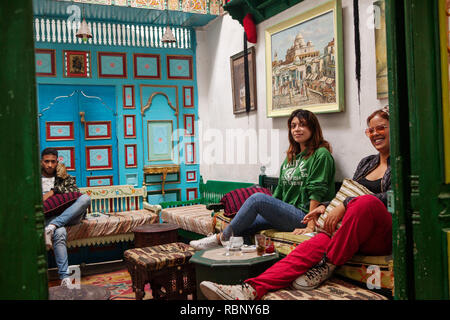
(365, 166)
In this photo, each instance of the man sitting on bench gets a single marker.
(55, 180)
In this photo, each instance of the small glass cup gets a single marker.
(260, 242)
(226, 241)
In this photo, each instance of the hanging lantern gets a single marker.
(84, 32)
(168, 36)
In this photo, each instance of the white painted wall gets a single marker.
(223, 38)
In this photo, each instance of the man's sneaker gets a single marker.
(49, 237)
(314, 276)
(214, 291)
(209, 242)
(66, 282)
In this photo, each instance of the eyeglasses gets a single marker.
(379, 129)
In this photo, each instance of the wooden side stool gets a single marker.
(166, 267)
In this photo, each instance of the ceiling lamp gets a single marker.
(168, 36)
(84, 32)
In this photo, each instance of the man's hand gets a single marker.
(333, 218)
(48, 195)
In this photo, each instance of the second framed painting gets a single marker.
(304, 62)
(237, 65)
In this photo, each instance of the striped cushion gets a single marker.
(332, 289)
(195, 218)
(234, 200)
(349, 188)
(118, 223)
(56, 204)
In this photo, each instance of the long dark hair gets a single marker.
(315, 142)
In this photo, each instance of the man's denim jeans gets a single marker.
(72, 215)
(261, 211)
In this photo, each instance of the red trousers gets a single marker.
(366, 228)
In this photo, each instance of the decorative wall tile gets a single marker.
(189, 125)
(112, 65)
(188, 97)
(147, 66)
(98, 157)
(98, 181)
(128, 97)
(129, 122)
(59, 130)
(191, 176)
(179, 67)
(66, 155)
(45, 62)
(160, 145)
(97, 130)
(130, 156)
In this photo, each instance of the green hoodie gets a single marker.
(307, 179)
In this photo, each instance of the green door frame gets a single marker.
(421, 198)
(23, 258)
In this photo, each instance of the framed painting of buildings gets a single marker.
(238, 80)
(304, 62)
(380, 49)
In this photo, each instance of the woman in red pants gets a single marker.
(366, 228)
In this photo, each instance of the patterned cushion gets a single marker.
(332, 289)
(349, 188)
(195, 218)
(56, 204)
(118, 223)
(159, 257)
(234, 200)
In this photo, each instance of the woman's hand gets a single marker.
(300, 231)
(314, 214)
(333, 218)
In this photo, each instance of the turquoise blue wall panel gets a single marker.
(182, 74)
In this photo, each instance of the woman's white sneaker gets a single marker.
(214, 291)
(209, 242)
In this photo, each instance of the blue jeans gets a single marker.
(72, 215)
(261, 211)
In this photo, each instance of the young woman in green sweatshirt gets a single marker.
(306, 180)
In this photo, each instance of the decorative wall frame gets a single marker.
(112, 64)
(179, 67)
(159, 139)
(188, 97)
(306, 77)
(147, 66)
(59, 130)
(238, 80)
(130, 156)
(98, 157)
(45, 62)
(191, 194)
(96, 130)
(380, 49)
(77, 64)
(129, 123)
(444, 37)
(128, 97)
(99, 181)
(189, 125)
(189, 153)
(191, 176)
(66, 155)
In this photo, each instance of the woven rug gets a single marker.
(118, 283)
